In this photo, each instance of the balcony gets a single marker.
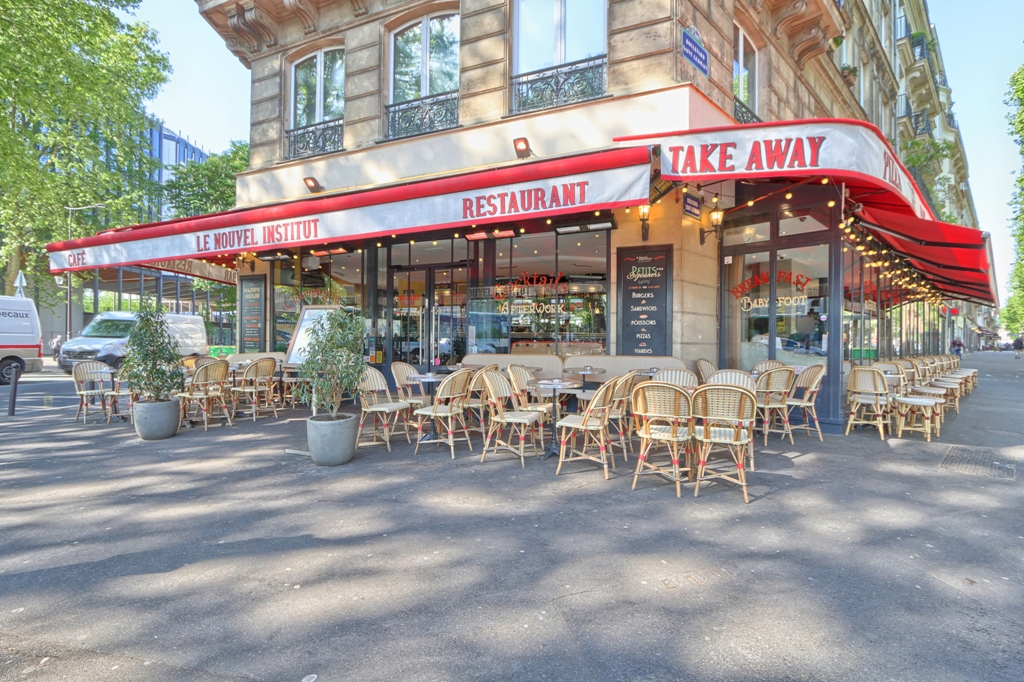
(903, 107)
(319, 138)
(921, 123)
(742, 113)
(951, 121)
(423, 115)
(940, 79)
(578, 81)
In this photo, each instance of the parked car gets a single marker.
(106, 339)
(21, 338)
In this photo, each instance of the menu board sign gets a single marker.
(254, 319)
(645, 301)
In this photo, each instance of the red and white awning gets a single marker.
(956, 259)
(530, 190)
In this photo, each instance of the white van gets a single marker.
(21, 338)
(106, 338)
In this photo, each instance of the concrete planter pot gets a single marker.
(332, 441)
(157, 420)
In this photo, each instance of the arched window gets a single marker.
(554, 32)
(318, 88)
(425, 58)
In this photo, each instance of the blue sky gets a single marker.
(207, 97)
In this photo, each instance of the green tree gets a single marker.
(73, 84)
(1012, 314)
(207, 187)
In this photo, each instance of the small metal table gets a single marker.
(649, 372)
(555, 386)
(587, 372)
(429, 378)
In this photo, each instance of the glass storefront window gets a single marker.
(347, 281)
(287, 303)
(747, 230)
(584, 299)
(794, 221)
(745, 328)
(801, 305)
(531, 296)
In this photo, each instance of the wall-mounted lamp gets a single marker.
(522, 147)
(644, 210)
(312, 184)
(716, 226)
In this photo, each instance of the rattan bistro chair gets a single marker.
(256, 386)
(766, 365)
(724, 418)
(476, 400)
(705, 368)
(408, 390)
(528, 398)
(808, 381)
(732, 377)
(679, 376)
(121, 389)
(521, 424)
(772, 391)
(619, 417)
(207, 394)
(868, 397)
(593, 426)
(448, 411)
(95, 374)
(663, 417)
(375, 401)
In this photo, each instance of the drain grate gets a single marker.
(979, 462)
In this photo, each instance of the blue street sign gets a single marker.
(691, 206)
(695, 52)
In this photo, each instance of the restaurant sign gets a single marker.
(645, 301)
(828, 148)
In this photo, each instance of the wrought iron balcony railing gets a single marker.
(742, 113)
(921, 122)
(940, 79)
(564, 84)
(951, 120)
(902, 107)
(423, 115)
(319, 138)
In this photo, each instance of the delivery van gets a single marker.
(21, 339)
(106, 338)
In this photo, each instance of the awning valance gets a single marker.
(528, 190)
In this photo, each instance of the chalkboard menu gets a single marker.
(645, 301)
(254, 319)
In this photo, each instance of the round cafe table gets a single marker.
(429, 378)
(649, 372)
(588, 371)
(555, 386)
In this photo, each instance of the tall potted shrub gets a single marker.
(332, 368)
(153, 366)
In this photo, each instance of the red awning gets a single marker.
(956, 259)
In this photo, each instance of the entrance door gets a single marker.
(429, 315)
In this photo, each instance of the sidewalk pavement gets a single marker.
(216, 556)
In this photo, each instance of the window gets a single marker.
(318, 88)
(744, 68)
(425, 58)
(554, 32)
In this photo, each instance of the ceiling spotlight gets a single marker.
(789, 195)
(312, 184)
(522, 146)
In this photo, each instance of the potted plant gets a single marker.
(152, 365)
(332, 368)
(849, 74)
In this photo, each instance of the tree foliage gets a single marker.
(334, 361)
(207, 187)
(1012, 314)
(73, 84)
(153, 362)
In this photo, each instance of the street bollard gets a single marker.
(12, 396)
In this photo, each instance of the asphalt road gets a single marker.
(215, 556)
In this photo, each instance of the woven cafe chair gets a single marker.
(909, 372)
(895, 377)
(678, 376)
(705, 368)
(916, 413)
(868, 397)
(448, 411)
(376, 401)
(924, 370)
(766, 365)
(724, 418)
(772, 390)
(732, 377)
(662, 414)
(520, 424)
(256, 386)
(954, 389)
(90, 373)
(189, 362)
(121, 388)
(809, 382)
(207, 394)
(476, 399)
(194, 362)
(408, 390)
(619, 416)
(592, 425)
(526, 398)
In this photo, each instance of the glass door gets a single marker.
(429, 316)
(448, 316)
